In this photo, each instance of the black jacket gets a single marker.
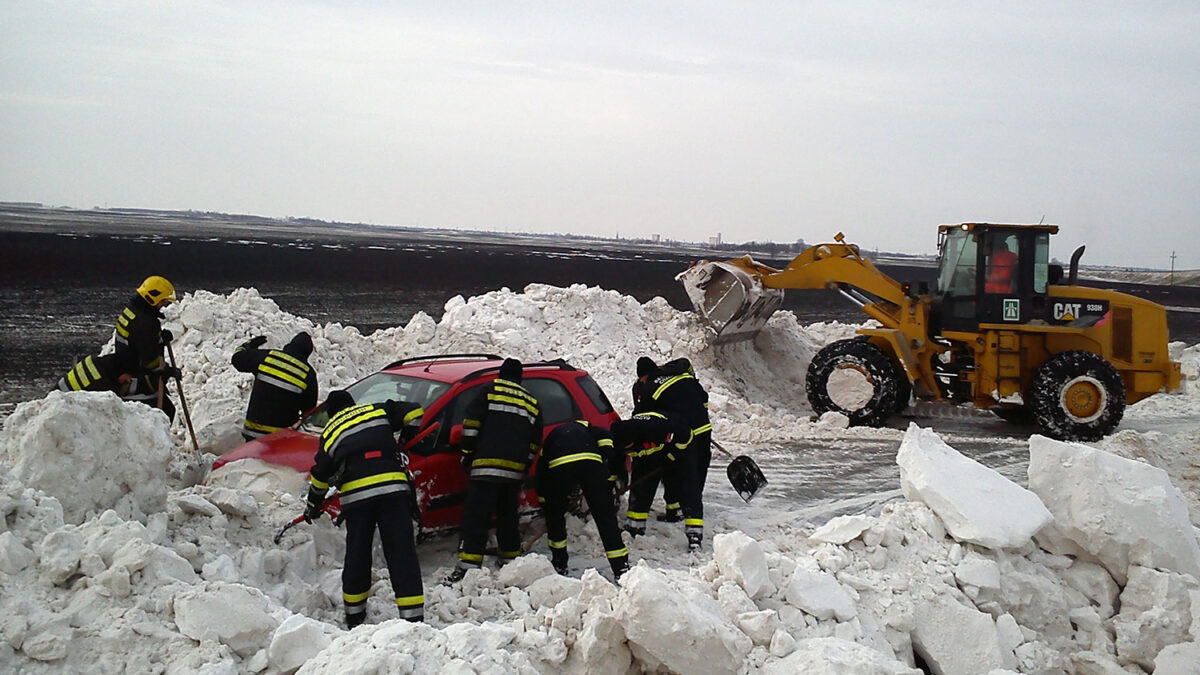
(138, 338)
(359, 454)
(285, 385)
(93, 373)
(502, 432)
(579, 441)
(651, 432)
(674, 388)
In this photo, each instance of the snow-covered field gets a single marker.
(109, 562)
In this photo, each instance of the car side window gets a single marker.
(553, 399)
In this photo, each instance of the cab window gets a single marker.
(956, 277)
(1041, 261)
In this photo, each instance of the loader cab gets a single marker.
(991, 274)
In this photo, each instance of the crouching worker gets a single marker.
(285, 385)
(95, 373)
(658, 442)
(358, 446)
(577, 454)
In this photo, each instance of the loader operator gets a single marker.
(1002, 270)
(139, 338)
(502, 433)
(285, 385)
(578, 455)
(674, 388)
(359, 449)
(658, 444)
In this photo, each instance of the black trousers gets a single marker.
(390, 515)
(592, 478)
(485, 498)
(679, 478)
(701, 449)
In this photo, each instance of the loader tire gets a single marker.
(873, 368)
(1077, 396)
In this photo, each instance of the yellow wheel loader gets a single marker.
(1002, 329)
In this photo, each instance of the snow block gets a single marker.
(842, 530)
(14, 555)
(1145, 518)
(237, 616)
(819, 594)
(1179, 659)
(741, 559)
(525, 570)
(977, 504)
(953, 637)
(553, 589)
(834, 656)
(1155, 612)
(682, 629)
(295, 641)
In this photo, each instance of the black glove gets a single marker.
(312, 512)
(166, 336)
(171, 373)
(256, 342)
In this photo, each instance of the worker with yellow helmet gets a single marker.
(139, 339)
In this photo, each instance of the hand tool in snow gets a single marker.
(744, 474)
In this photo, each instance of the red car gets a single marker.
(443, 385)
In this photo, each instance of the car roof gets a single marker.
(454, 367)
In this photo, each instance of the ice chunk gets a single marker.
(819, 594)
(1155, 612)
(954, 637)
(295, 641)
(741, 559)
(834, 656)
(1119, 510)
(235, 615)
(977, 504)
(842, 530)
(14, 555)
(525, 570)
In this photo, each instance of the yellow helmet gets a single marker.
(157, 291)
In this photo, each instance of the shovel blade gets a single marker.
(745, 477)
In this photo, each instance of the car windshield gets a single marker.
(380, 387)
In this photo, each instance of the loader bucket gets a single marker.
(730, 298)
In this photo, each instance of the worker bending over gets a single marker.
(285, 385)
(578, 455)
(658, 444)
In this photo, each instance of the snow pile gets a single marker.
(91, 451)
(756, 389)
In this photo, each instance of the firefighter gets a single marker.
(139, 338)
(95, 373)
(641, 386)
(359, 456)
(285, 385)
(674, 388)
(502, 433)
(578, 455)
(658, 443)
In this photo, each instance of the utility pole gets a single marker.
(1172, 268)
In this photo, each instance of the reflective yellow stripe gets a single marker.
(255, 426)
(122, 330)
(355, 597)
(319, 484)
(674, 506)
(470, 557)
(673, 380)
(503, 463)
(577, 457)
(73, 381)
(410, 600)
(509, 554)
(91, 366)
(644, 415)
(417, 412)
(605, 442)
(82, 374)
(637, 515)
(287, 361)
(701, 429)
(355, 415)
(693, 522)
(558, 544)
(647, 452)
(374, 480)
(616, 553)
(287, 377)
(515, 401)
(129, 313)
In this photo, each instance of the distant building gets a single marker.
(656, 238)
(715, 241)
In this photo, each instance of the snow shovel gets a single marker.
(196, 473)
(744, 474)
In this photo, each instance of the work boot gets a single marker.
(635, 530)
(558, 558)
(619, 567)
(356, 619)
(694, 540)
(671, 516)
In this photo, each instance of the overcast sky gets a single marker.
(757, 120)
